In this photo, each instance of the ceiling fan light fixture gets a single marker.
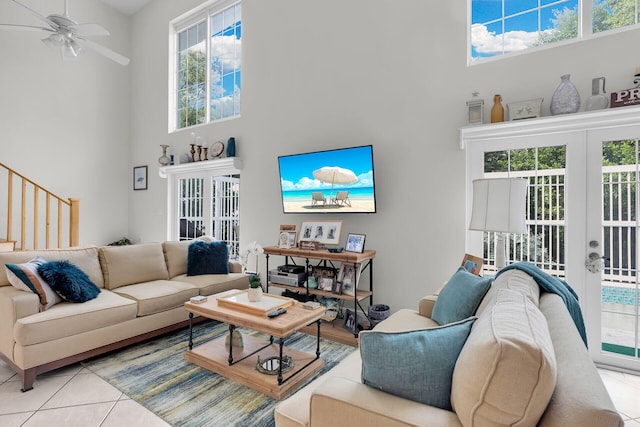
(54, 40)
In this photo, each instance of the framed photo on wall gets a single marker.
(140, 178)
(355, 242)
(325, 232)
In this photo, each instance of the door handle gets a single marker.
(595, 262)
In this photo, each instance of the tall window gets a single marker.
(499, 27)
(208, 66)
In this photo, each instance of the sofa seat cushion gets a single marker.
(209, 284)
(85, 257)
(405, 319)
(158, 295)
(67, 318)
(506, 372)
(127, 265)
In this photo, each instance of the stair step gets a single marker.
(7, 245)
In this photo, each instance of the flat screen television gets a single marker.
(331, 181)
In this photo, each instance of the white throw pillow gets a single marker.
(26, 278)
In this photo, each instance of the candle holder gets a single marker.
(193, 152)
(199, 152)
(206, 153)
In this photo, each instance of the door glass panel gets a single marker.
(226, 211)
(191, 215)
(619, 289)
(544, 244)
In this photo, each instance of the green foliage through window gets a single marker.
(203, 97)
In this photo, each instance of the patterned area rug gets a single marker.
(155, 375)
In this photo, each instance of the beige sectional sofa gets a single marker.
(523, 363)
(143, 290)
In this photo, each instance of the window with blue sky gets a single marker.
(208, 62)
(500, 27)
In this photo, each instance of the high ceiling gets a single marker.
(128, 7)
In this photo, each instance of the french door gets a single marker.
(613, 286)
(582, 215)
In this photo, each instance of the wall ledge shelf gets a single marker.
(224, 166)
(588, 120)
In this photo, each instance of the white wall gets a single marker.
(320, 75)
(66, 124)
(316, 75)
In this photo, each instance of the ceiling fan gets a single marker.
(68, 35)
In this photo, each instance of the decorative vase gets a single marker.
(597, 100)
(164, 159)
(231, 147)
(255, 294)
(566, 98)
(497, 111)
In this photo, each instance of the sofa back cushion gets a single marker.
(506, 372)
(126, 265)
(85, 258)
(175, 255)
(515, 280)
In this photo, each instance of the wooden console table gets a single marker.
(325, 257)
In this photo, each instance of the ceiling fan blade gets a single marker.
(89, 30)
(106, 52)
(37, 14)
(23, 27)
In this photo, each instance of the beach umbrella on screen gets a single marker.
(335, 175)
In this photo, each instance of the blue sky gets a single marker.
(522, 22)
(297, 170)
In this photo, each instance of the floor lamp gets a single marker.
(499, 205)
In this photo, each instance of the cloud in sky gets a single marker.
(305, 183)
(488, 43)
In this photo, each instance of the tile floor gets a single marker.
(75, 397)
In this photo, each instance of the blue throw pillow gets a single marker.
(207, 258)
(417, 365)
(71, 283)
(460, 297)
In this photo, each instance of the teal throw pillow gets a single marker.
(460, 297)
(71, 283)
(207, 258)
(417, 365)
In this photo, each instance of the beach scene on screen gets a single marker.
(328, 181)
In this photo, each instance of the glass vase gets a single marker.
(566, 98)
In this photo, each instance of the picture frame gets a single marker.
(287, 227)
(140, 175)
(355, 243)
(350, 321)
(323, 232)
(348, 277)
(472, 264)
(287, 239)
(325, 277)
(528, 109)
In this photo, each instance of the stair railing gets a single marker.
(65, 208)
